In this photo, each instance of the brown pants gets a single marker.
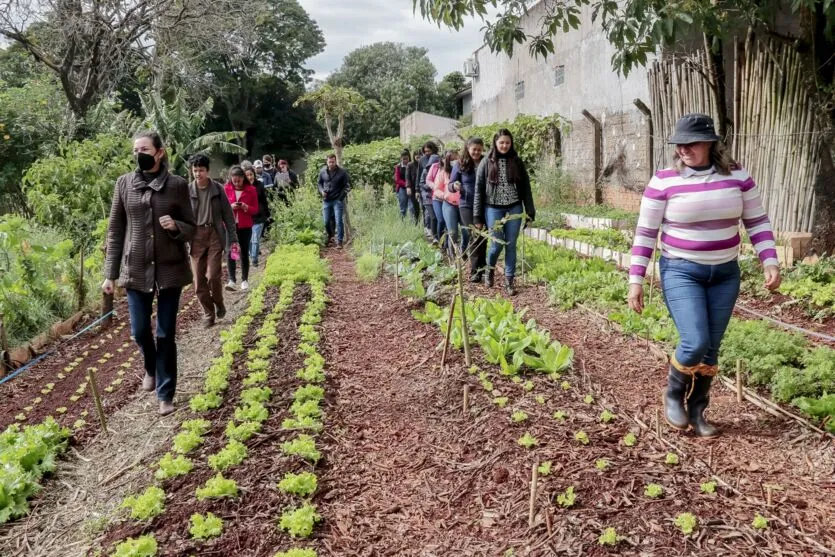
(206, 258)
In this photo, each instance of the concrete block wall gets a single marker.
(625, 147)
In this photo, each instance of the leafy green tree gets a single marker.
(451, 84)
(332, 105)
(180, 129)
(71, 191)
(399, 78)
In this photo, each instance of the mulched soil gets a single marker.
(787, 310)
(250, 521)
(409, 473)
(121, 373)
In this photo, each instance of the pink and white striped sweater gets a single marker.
(698, 213)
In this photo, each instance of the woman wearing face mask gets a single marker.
(244, 199)
(463, 181)
(698, 204)
(502, 199)
(151, 220)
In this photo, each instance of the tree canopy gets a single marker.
(400, 79)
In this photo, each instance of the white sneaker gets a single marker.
(244, 285)
(230, 285)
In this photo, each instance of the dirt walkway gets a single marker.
(80, 498)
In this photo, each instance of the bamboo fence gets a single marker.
(776, 136)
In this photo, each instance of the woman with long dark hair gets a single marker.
(463, 182)
(151, 219)
(448, 200)
(697, 205)
(244, 199)
(502, 200)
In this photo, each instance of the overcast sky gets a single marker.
(349, 24)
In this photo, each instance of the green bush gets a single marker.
(38, 277)
(367, 164)
(72, 191)
(533, 136)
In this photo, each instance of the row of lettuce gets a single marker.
(289, 266)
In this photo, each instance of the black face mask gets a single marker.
(145, 161)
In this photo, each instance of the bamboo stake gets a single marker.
(464, 330)
(91, 379)
(532, 502)
(739, 381)
(448, 331)
(466, 400)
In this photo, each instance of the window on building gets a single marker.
(559, 75)
(520, 90)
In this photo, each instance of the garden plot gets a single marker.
(239, 474)
(411, 472)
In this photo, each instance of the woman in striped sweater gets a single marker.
(697, 205)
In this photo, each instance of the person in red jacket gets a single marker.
(244, 199)
(401, 172)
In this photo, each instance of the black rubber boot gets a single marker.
(508, 286)
(677, 386)
(489, 278)
(696, 406)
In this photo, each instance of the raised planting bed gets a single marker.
(217, 491)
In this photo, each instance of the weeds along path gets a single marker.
(756, 450)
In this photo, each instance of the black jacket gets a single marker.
(485, 192)
(334, 186)
(263, 214)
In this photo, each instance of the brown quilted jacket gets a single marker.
(140, 252)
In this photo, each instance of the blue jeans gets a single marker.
(451, 220)
(333, 209)
(440, 226)
(403, 202)
(255, 243)
(701, 299)
(508, 233)
(160, 356)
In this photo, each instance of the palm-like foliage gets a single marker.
(180, 127)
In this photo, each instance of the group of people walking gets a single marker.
(165, 232)
(462, 193)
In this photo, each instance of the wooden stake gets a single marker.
(466, 333)
(739, 381)
(107, 308)
(91, 379)
(657, 422)
(466, 400)
(448, 331)
(532, 503)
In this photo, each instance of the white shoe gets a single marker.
(244, 285)
(230, 285)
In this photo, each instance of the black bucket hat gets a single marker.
(693, 128)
